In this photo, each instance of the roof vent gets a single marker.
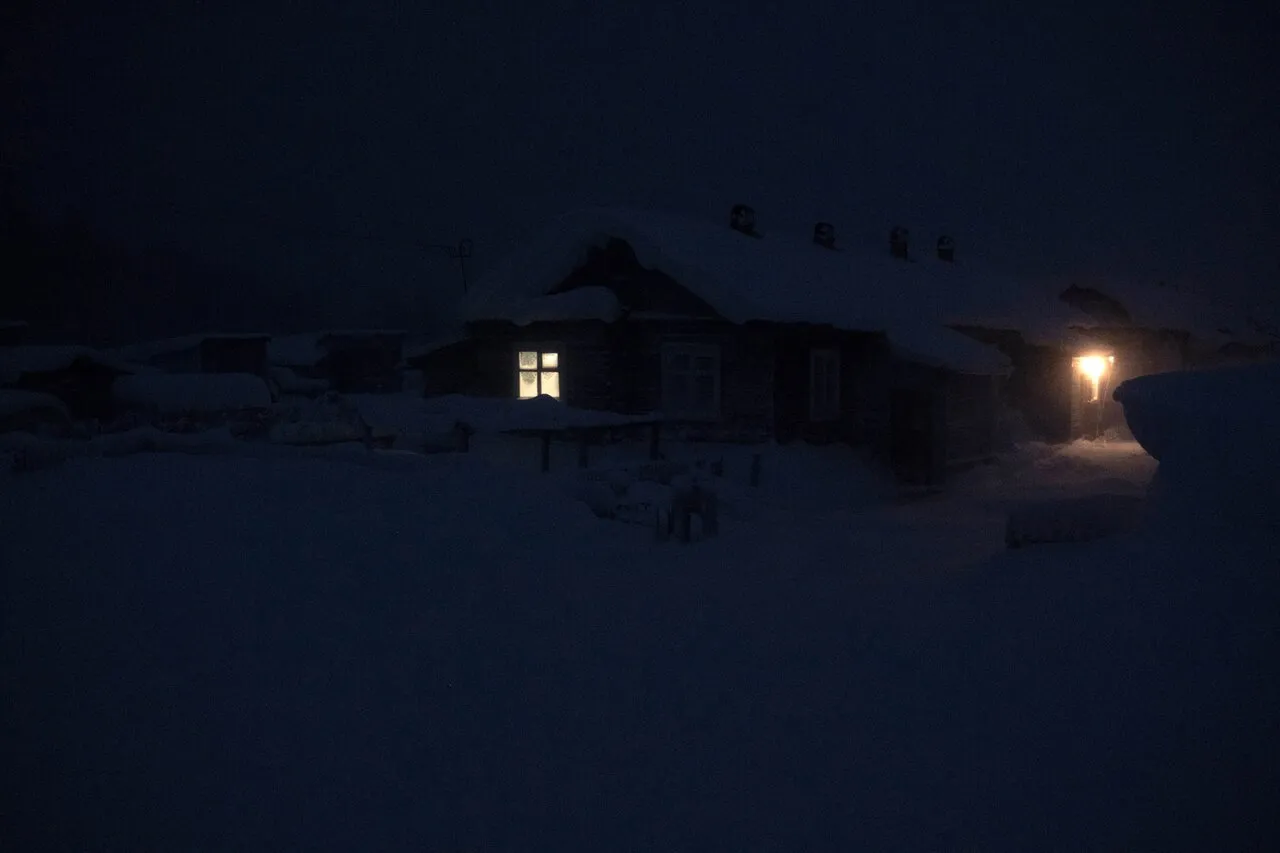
(743, 219)
(898, 242)
(946, 249)
(824, 234)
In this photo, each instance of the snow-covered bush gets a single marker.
(330, 419)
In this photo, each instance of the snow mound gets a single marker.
(13, 402)
(193, 392)
(1214, 432)
(289, 382)
(501, 414)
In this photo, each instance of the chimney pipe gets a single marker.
(824, 234)
(946, 249)
(898, 237)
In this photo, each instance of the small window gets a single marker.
(538, 373)
(691, 380)
(824, 384)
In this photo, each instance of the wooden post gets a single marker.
(684, 524)
(655, 433)
(546, 452)
(755, 469)
(710, 514)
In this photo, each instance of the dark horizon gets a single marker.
(1052, 145)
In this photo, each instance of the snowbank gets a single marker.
(288, 382)
(504, 414)
(1215, 434)
(330, 419)
(193, 392)
(14, 402)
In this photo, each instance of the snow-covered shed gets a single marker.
(80, 377)
(772, 336)
(202, 353)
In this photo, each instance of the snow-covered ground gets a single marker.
(449, 652)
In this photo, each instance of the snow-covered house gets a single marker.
(80, 377)
(351, 361)
(715, 326)
(202, 353)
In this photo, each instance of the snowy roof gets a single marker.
(1214, 319)
(774, 278)
(427, 345)
(13, 402)
(307, 349)
(583, 303)
(15, 361)
(172, 393)
(151, 349)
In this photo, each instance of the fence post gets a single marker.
(655, 433)
(583, 451)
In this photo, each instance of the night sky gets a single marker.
(1087, 138)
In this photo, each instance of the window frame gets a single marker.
(541, 348)
(822, 410)
(694, 350)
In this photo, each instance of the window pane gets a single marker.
(528, 361)
(704, 362)
(528, 384)
(551, 360)
(678, 361)
(551, 383)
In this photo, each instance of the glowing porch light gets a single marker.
(1095, 367)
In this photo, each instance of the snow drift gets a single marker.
(1215, 435)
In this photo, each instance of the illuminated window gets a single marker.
(824, 384)
(691, 380)
(539, 373)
